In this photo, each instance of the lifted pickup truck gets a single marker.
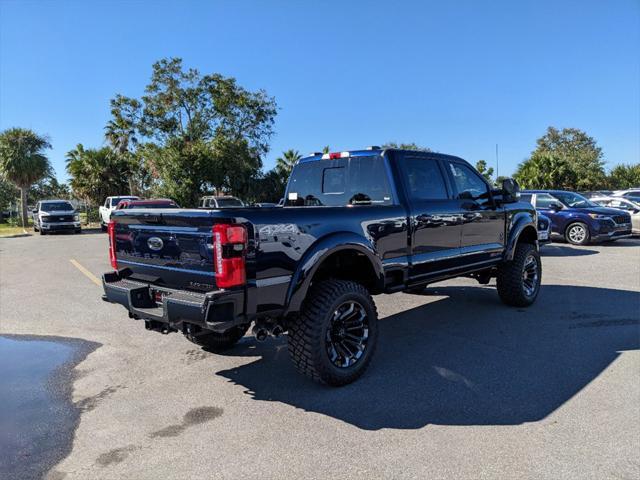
(354, 224)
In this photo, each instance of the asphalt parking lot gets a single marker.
(461, 385)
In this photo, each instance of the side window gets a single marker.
(468, 183)
(543, 200)
(525, 197)
(424, 179)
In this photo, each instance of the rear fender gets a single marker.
(317, 254)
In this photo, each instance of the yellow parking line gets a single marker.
(86, 272)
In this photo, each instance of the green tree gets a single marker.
(623, 176)
(96, 174)
(406, 146)
(48, 188)
(23, 161)
(571, 152)
(326, 149)
(200, 132)
(546, 171)
(285, 163)
(121, 136)
(487, 173)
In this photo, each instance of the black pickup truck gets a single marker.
(354, 224)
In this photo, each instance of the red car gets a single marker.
(153, 203)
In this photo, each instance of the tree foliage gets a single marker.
(623, 176)
(487, 173)
(97, 173)
(406, 146)
(200, 132)
(23, 161)
(286, 162)
(567, 158)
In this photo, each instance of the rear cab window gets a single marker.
(352, 181)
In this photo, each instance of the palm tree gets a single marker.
(120, 131)
(286, 162)
(22, 161)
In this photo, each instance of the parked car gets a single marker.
(631, 194)
(152, 203)
(109, 206)
(55, 216)
(355, 223)
(577, 219)
(622, 203)
(544, 229)
(596, 193)
(225, 201)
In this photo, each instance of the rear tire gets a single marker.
(334, 338)
(215, 341)
(518, 281)
(103, 227)
(577, 234)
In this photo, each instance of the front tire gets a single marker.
(334, 338)
(577, 234)
(215, 341)
(518, 281)
(103, 227)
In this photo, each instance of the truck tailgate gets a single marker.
(166, 248)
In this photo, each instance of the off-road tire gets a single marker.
(214, 341)
(511, 277)
(572, 238)
(307, 334)
(42, 232)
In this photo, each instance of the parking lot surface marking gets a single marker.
(86, 272)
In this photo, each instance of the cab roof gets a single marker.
(367, 152)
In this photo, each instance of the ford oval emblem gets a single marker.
(155, 243)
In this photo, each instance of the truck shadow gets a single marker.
(555, 250)
(463, 359)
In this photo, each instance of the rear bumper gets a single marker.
(218, 310)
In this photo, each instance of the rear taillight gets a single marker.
(112, 244)
(229, 249)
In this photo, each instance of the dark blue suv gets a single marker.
(577, 219)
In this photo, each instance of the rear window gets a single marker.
(116, 200)
(153, 205)
(229, 202)
(340, 182)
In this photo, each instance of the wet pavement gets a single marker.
(37, 418)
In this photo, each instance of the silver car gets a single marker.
(626, 204)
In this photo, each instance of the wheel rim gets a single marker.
(577, 233)
(347, 334)
(530, 276)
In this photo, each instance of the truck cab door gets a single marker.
(435, 217)
(483, 222)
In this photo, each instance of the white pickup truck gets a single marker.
(109, 206)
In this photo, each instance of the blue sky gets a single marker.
(457, 76)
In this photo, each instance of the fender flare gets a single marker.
(317, 254)
(518, 224)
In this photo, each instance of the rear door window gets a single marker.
(424, 179)
(543, 200)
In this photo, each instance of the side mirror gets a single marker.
(510, 190)
(35, 210)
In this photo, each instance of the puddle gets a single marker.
(37, 418)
